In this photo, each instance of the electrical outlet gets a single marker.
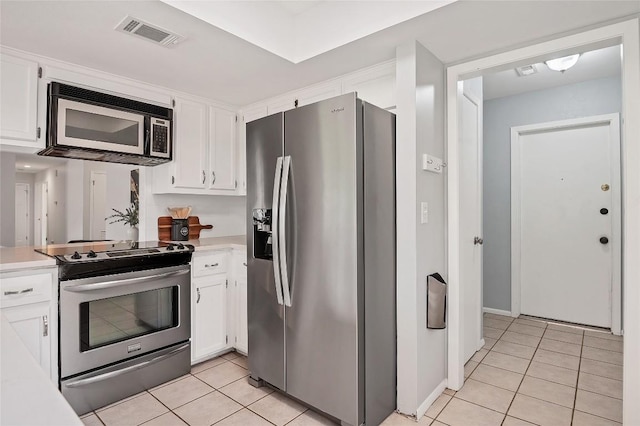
(424, 212)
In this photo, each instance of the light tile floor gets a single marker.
(534, 372)
(529, 372)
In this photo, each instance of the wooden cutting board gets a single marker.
(164, 228)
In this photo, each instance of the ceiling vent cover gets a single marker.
(150, 32)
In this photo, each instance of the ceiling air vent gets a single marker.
(153, 33)
(526, 70)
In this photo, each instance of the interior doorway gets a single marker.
(627, 33)
(98, 203)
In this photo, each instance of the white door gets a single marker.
(566, 219)
(44, 213)
(23, 237)
(98, 209)
(470, 101)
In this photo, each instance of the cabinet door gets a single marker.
(222, 149)
(242, 331)
(31, 323)
(210, 325)
(376, 85)
(190, 144)
(18, 103)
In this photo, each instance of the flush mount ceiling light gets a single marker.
(562, 64)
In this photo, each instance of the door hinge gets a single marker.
(38, 132)
(39, 72)
(236, 184)
(173, 102)
(236, 340)
(226, 283)
(295, 103)
(226, 339)
(173, 180)
(236, 118)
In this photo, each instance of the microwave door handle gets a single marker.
(116, 373)
(79, 288)
(274, 229)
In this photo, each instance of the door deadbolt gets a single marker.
(604, 240)
(604, 211)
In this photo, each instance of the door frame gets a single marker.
(613, 121)
(627, 34)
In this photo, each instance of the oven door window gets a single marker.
(115, 319)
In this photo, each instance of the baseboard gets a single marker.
(431, 399)
(481, 343)
(496, 311)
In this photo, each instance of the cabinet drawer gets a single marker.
(209, 263)
(20, 290)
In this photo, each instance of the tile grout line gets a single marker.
(524, 375)
(575, 397)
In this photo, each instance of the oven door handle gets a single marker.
(116, 373)
(79, 288)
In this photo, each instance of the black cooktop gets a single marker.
(82, 260)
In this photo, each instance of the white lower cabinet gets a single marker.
(28, 300)
(240, 285)
(219, 303)
(210, 329)
(31, 323)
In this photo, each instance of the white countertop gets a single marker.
(27, 394)
(217, 243)
(15, 258)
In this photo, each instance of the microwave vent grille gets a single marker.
(147, 31)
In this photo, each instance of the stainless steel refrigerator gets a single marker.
(321, 257)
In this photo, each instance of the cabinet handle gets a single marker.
(198, 299)
(173, 180)
(45, 324)
(204, 177)
(213, 177)
(244, 263)
(14, 292)
(211, 266)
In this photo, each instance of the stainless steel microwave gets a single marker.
(96, 126)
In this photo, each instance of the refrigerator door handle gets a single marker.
(281, 230)
(274, 229)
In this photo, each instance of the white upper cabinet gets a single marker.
(222, 149)
(190, 144)
(247, 116)
(19, 100)
(376, 85)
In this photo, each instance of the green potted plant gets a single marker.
(128, 217)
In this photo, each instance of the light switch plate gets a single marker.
(424, 212)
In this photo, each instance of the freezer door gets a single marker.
(324, 256)
(265, 313)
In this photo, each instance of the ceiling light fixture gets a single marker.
(562, 64)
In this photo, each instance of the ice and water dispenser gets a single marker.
(262, 234)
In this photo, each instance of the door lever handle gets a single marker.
(477, 241)
(604, 240)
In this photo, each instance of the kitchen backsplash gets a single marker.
(226, 214)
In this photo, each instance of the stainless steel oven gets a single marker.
(125, 323)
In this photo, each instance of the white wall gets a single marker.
(28, 178)
(595, 97)
(56, 203)
(75, 200)
(421, 247)
(7, 199)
